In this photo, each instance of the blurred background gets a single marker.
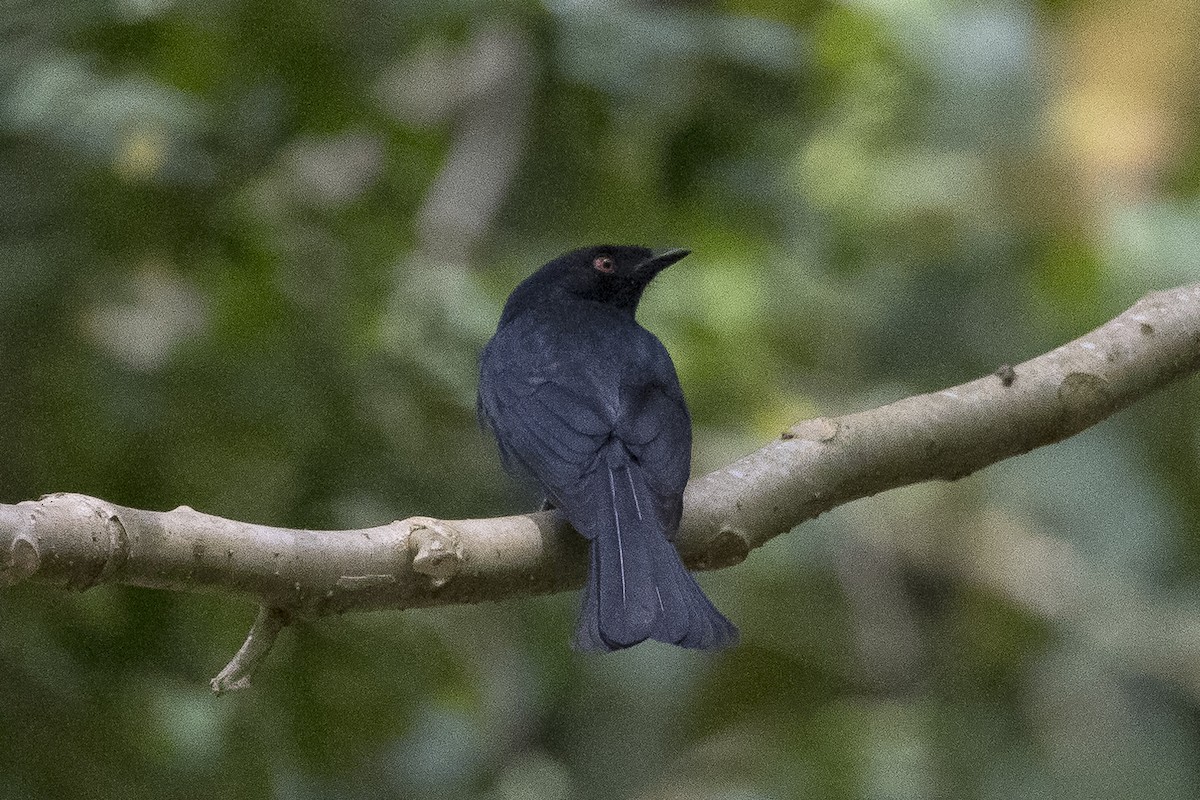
(249, 253)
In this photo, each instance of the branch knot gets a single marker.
(21, 561)
(435, 548)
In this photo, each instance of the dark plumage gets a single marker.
(585, 401)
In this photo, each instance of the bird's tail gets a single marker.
(638, 588)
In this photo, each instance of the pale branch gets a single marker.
(264, 631)
(822, 463)
(78, 542)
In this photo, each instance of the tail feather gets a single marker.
(637, 587)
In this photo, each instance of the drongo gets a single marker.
(586, 402)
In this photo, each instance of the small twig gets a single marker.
(267, 625)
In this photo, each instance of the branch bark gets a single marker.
(78, 542)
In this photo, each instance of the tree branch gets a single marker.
(78, 542)
(826, 462)
(266, 627)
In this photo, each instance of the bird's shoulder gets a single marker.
(570, 337)
(589, 357)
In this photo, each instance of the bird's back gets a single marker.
(563, 380)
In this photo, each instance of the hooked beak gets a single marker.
(656, 264)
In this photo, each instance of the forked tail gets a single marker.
(637, 587)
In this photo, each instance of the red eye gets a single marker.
(603, 263)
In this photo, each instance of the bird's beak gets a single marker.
(656, 264)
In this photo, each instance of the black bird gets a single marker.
(585, 401)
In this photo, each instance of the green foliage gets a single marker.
(247, 260)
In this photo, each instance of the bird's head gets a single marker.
(615, 275)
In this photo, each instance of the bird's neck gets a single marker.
(560, 304)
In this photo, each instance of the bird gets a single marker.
(586, 403)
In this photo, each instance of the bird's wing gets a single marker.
(554, 420)
(656, 430)
(549, 431)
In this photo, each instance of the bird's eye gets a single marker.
(603, 263)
